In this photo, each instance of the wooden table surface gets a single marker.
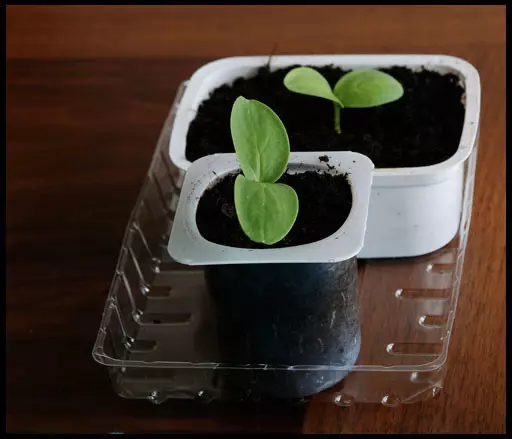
(87, 92)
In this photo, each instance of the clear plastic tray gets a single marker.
(157, 334)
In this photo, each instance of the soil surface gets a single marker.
(422, 128)
(325, 201)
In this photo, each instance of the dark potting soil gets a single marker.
(422, 128)
(325, 201)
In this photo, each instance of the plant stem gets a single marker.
(337, 118)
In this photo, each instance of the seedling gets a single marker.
(356, 89)
(266, 210)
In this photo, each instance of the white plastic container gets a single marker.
(187, 246)
(413, 211)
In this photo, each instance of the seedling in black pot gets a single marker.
(278, 303)
(266, 210)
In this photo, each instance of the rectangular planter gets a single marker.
(413, 211)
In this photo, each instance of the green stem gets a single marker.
(337, 118)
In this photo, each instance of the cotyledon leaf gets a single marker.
(260, 140)
(265, 211)
(367, 88)
(307, 81)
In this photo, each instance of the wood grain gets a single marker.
(80, 136)
(80, 139)
(217, 31)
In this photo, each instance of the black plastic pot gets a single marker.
(285, 315)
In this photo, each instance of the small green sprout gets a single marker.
(356, 89)
(266, 210)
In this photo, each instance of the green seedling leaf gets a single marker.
(357, 89)
(308, 81)
(266, 211)
(260, 139)
(367, 88)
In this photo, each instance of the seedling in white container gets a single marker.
(356, 89)
(418, 143)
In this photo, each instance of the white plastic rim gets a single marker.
(226, 70)
(187, 246)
